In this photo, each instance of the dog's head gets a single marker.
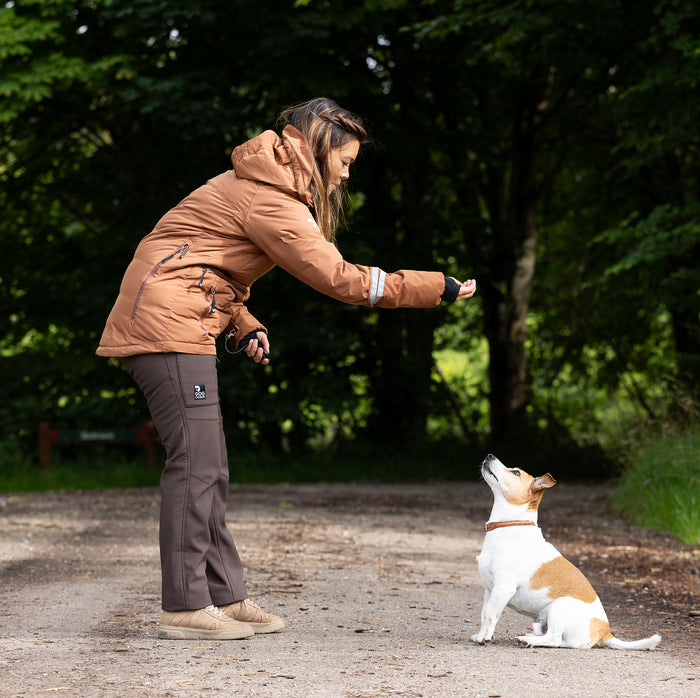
(513, 485)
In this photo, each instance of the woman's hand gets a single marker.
(467, 289)
(259, 349)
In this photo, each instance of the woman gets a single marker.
(187, 283)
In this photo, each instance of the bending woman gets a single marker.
(188, 282)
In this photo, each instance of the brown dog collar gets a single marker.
(490, 525)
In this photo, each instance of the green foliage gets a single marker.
(662, 247)
(660, 487)
(460, 377)
(486, 117)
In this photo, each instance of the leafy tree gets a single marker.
(507, 137)
(626, 255)
(658, 149)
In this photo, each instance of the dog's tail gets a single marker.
(647, 644)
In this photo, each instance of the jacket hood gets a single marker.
(284, 162)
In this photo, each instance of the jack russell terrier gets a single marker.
(518, 568)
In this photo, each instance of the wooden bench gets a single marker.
(146, 435)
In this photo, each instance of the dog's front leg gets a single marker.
(494, 603)
(476, 638)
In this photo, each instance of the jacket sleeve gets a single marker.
(242, 323)
(287, 233)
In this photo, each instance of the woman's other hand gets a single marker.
(259, 349)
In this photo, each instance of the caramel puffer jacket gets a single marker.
(191, 276)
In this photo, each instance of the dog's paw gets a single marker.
(478, 640)
(524, 640)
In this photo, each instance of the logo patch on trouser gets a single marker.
(200, 392)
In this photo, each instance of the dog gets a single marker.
(518, 568)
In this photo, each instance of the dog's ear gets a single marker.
(543, 482)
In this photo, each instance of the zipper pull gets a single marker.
(184, 248)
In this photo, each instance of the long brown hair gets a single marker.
(325, 126)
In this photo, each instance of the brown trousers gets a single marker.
(199, 560)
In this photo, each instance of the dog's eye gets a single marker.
(515, 472)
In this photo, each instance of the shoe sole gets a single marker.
(173, 632)
(273, 627)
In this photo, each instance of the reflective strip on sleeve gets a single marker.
(377, 287)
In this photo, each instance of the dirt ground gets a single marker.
(378, 583)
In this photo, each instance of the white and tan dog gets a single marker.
(520, 569)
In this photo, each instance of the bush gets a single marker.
(660, 487)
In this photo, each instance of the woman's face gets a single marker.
(339, 161)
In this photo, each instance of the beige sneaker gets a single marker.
(208, 623)
(247, 612)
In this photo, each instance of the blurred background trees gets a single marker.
(545, 149)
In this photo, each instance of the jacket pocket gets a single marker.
(216, 295)
(209, 290)
(182, 250)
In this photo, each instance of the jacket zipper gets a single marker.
(182, 251)
(212, 289)
(205, 271)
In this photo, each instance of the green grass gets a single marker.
(437, 460)
(660, 488)
(98, 467)
(83, 469)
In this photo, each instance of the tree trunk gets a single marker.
(506, 304)
(402, 390)
(405, 338)
(509, 254)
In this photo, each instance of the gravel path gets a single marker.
(378, 583)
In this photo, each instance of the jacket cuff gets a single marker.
(451, 290)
